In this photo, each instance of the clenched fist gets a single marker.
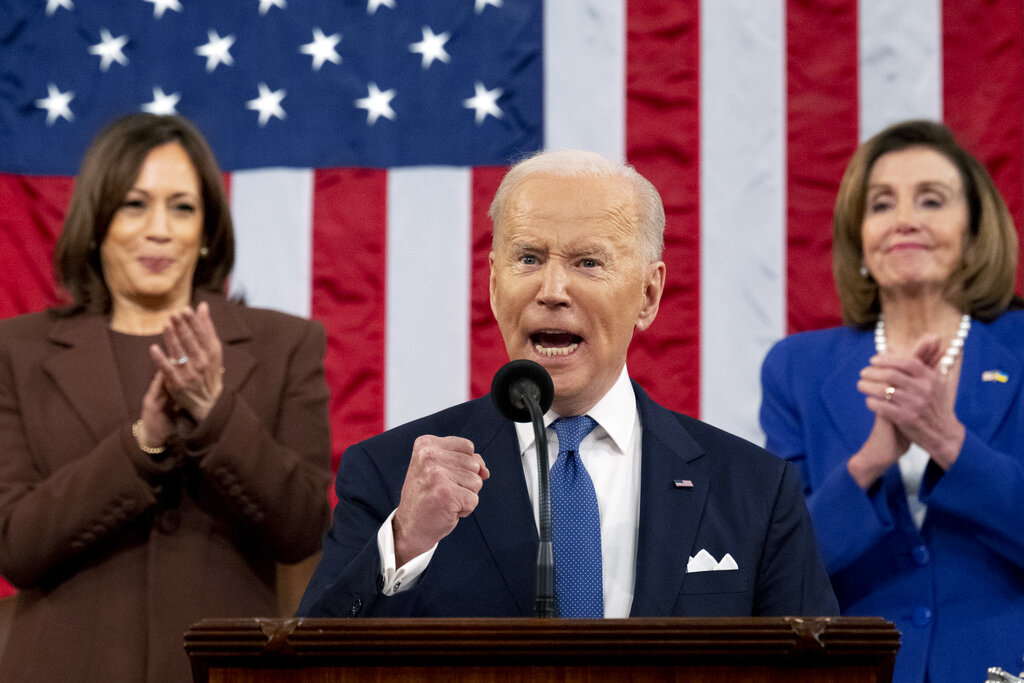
(441, 486)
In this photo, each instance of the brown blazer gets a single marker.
(115, 554)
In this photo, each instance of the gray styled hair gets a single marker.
(577, 163)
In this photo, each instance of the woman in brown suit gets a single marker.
(161, 448)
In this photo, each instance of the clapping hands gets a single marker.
(189, 375)
(913, 403)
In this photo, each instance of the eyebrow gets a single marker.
(520, 245)
(176, 195)
(924, 184)
(587, 250)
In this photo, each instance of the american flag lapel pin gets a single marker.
(683, 483)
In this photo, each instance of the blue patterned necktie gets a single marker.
(575, 525)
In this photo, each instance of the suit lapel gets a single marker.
(983, 401)
(84, 356)
(850, 418)
(504, 514)
(669, 514)
(235, 335)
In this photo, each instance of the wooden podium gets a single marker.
(848, 649)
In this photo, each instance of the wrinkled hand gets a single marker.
(921, 407)
(886, 442)
(441, 486)
(195, 385)
(883, 447)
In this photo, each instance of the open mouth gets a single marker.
(555, 342)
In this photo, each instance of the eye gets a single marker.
(932, 201)
(133, 204)
(186, 208)
(879, 204)
(528, 260)
(588, 263)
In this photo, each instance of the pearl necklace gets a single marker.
(948, 358)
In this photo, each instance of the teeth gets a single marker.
(556, 351)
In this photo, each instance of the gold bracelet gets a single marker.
(145, 449)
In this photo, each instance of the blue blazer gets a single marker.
(954, 589)
(743, 502)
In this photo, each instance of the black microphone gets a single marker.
(523, 392)
(517, 380)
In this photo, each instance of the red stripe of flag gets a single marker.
(486, 349)
(983, 78)
(349, 296)
(822, 122)
(31, 217)
(663, 143)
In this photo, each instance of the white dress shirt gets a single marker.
(611, 454)
(912, 466)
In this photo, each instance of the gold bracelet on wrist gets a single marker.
(145, 449)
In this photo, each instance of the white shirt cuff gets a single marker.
(405, 577)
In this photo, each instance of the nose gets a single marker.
(158, 223)
(906, 216)
(554, 285)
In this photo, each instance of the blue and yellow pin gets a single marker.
(994, 376)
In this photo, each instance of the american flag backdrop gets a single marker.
(362, 141)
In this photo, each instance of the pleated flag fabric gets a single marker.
(362, 141)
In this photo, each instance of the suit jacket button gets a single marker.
(922, 556)
(922, 616)
(357, 607)
(168, 521)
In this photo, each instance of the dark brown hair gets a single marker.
(982, 284)
(108, 171)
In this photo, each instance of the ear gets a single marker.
(492, 284)
(654, 286)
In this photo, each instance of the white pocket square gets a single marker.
(705, 562)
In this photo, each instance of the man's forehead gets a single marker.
(544, 198)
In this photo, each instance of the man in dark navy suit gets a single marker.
(667, 516)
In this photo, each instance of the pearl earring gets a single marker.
(204, 252)
(864, 272)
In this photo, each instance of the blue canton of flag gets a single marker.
(349, 83)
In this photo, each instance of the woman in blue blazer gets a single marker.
(907, 423)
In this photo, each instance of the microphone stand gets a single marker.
(544, 605)
(522, 391)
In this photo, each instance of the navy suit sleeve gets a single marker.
(345, 583)
(792, 579)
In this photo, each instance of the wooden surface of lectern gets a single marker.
(847, 649)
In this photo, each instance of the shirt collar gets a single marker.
(615, 413)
